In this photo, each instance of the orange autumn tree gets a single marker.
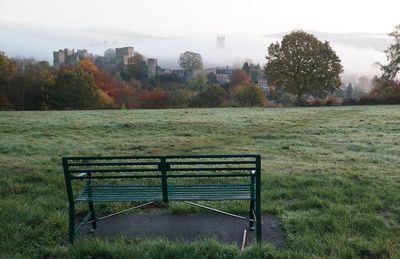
(126, 95)
(123, 95)
(154, 99)
(240, 78)
(88, 66)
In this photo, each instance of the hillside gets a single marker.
(331, 175)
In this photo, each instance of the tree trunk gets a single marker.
(299, 96)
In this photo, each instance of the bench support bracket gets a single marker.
(219, 211)
(120, 212)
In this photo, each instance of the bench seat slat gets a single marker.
(210, 192)
(175, 193)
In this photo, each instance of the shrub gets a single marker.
(154, 99)
(213, 96)
(249, 96)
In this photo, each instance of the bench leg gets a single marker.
(251, 215)
(71, 223)
(258, 220)
(93, 216)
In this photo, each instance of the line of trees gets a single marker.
(301, 70)
(29, 85)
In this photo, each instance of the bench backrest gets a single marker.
(162, 168)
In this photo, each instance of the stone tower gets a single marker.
(151, 67)
(124, 55)
(221, 41)
(58, 58)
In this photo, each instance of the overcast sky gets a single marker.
(187, 17)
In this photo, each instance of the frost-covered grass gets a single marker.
(330, 174)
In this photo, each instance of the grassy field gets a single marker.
(331, 175)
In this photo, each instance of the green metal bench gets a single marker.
(153, 179)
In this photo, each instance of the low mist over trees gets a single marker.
(302, 65)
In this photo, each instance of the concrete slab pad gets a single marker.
(187, 227)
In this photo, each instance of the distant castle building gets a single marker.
(69, 57)
(224, 75)
(124, 55)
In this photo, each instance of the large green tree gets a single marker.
(303, 65)
(75, 89)
(190, 61)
